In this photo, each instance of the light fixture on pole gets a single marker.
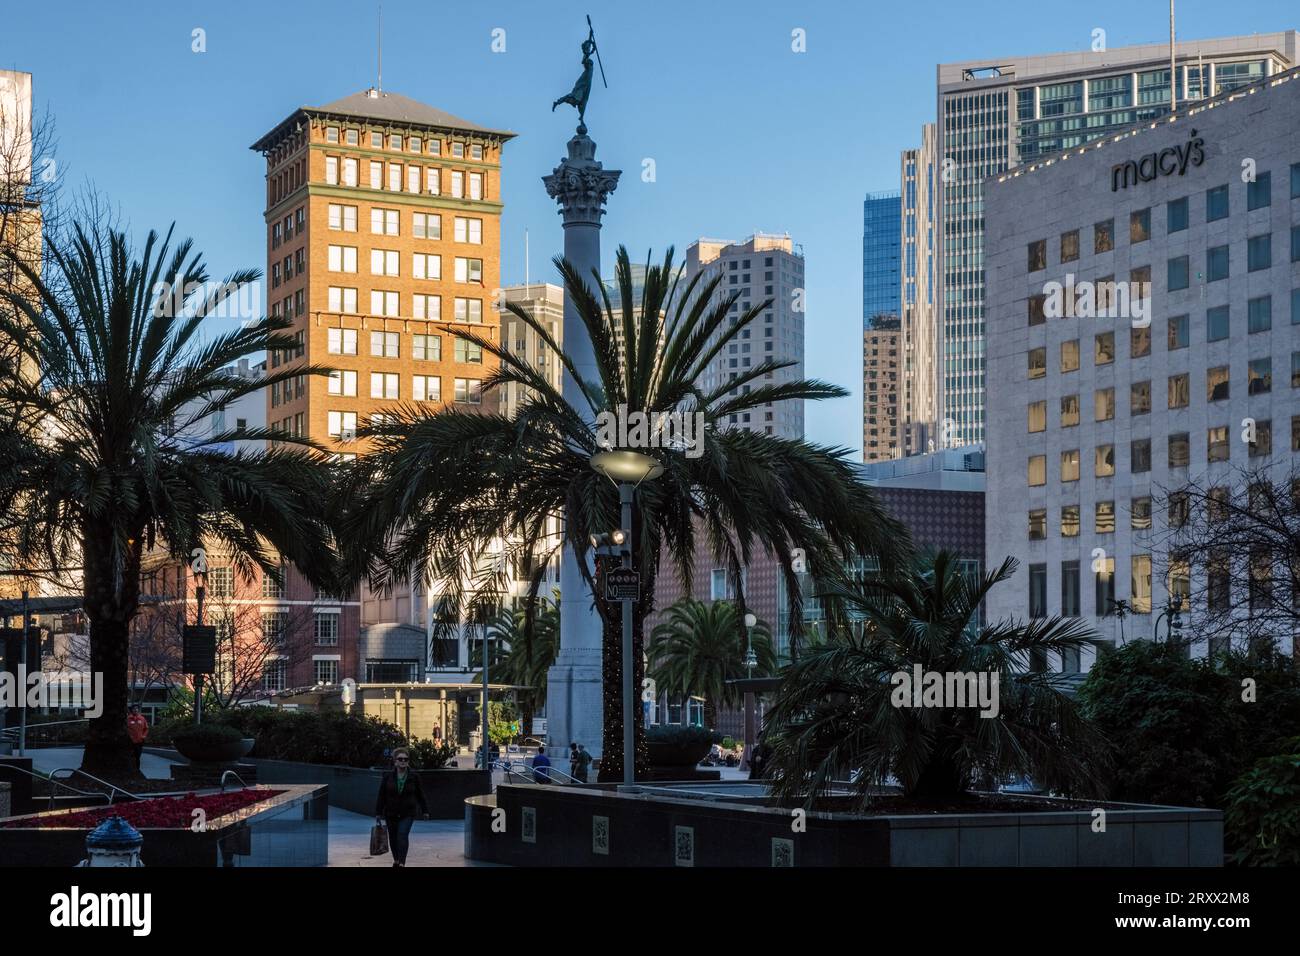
(627, 469)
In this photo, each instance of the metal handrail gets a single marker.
(528, 771)
(59, 783)
(231, 773)
(112, 787)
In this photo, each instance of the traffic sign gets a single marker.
(199, 648)
(622, 584)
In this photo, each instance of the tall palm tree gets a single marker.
(440, 487)
(700, 646)
(523, 657)
(838, 709)
(107, 469)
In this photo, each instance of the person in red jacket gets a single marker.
(137, 728)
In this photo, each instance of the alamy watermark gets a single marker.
(1098, 300)
(922, 688)
(38, 690)
(681, 431)
(229, 300)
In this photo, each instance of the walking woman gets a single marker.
(400, 798)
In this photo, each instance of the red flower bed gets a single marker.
(167, 813)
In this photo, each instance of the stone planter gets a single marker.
(355, 788)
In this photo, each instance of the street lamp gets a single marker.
(627, 469)
(1173, 616)
(751, 661)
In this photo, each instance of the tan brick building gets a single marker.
(383, 224)
(880, 389)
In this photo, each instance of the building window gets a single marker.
(332, 170)
(426, 266)
(1216, 263)
(1070, 245)
(1070, 465)
(1217, 324)
(433, 180)
(1139, 398)
(458, 150)
(1037, 362)
(384, 262)
(342, 341)
(273, 674)
(1262, 446)
(457, 184)
(1295, 243)
(1104, 349)
(469, 391)
(1139, 225)
(383, 303)
(1104, 461)
(385, 222)
(1069, 588)
(394, 141)
(426, 348)
(325, 671)
(221, 583)
(475, 185)
(1104, 587)
(1179, 509)
(1259, 193)
(1216, 444)
(1179, 390)
(1177, 275)
(1037, 470)
(426, 226)
(467, 351)
(1218, 582)
(383, 385)
(468, 230)
(342, 259)
(274, 626)
(1070, 356)
(395, 177)
(1216, 203)
(1038, 524)
(469, 311)
(1177, 218)
(469, 270)
(718, 584)
(1140, 600)
(1104, 517)
(1038, 416)
(343, 382)
(342, 218)
(1178, 333)
(1103, 236)
(1140, 512)
(1038, 255)
(342, 425)
(1140, 455)
(385, 344)
(350, 172)
(1103, 404)
(1217, 384)
(1037, 590)
(1139, 341)
(1180, 450)
(426, 388)
(327, 629)
(1069, 521)
(476, 151)
(1259, 253)
(1069, 411)
(1259, 376)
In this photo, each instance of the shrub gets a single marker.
(206, 735)
(425, 755)
(678, 735)
(349, 740)
(1263, 814)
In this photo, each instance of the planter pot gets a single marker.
(226, 751)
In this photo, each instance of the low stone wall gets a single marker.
(355, 788)
(596, 826)
(6, 808)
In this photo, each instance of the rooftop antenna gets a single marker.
(1173, 83)
(527, 288)
(380, 86)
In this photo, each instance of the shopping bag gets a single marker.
(378, 839)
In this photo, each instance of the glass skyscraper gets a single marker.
(881, 242)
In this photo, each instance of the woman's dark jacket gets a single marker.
(409, 803)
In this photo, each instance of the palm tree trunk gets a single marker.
(109, 612)
(611, 755)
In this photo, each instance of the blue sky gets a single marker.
(746, 135)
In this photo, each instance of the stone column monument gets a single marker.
(580, 185)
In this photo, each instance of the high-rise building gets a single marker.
(996, 114)
(1141, 342)
(881, 348)
(383, 237)
(918, 339)
(880, 254)
(545, 303)
(761, 267)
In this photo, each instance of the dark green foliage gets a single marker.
(348, 740)
(676, 734)
(425, 755)
(206, 735)
(835, 712)
(1262, 818)
(1182, 732)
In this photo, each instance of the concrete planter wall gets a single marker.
(570, 826)
(355, 788)
(291, 829)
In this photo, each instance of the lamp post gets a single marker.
(1173, 615)
(751, 661)
(627, 469)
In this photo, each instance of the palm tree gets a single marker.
(700, 646)
(441, 487)
(524, 658)
(839, 707)
(112, 377)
